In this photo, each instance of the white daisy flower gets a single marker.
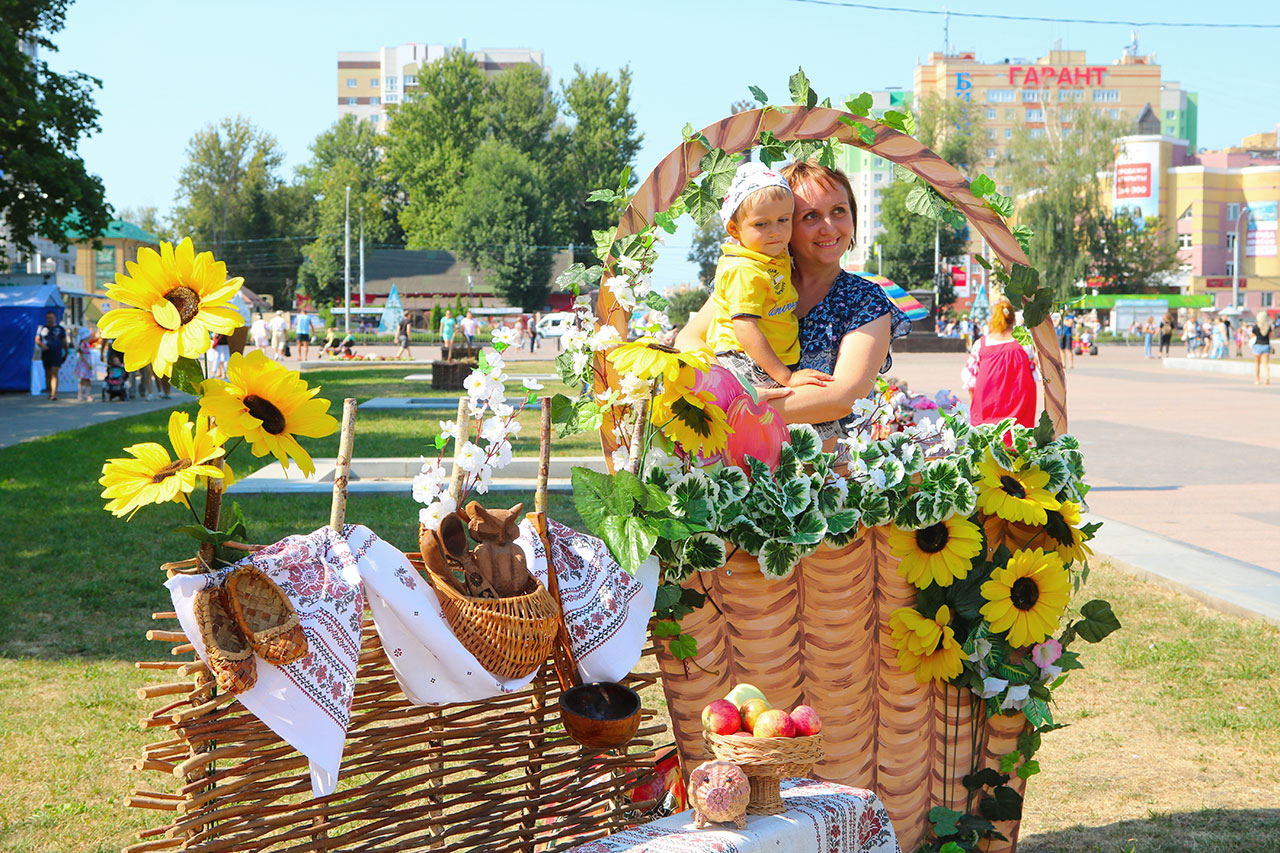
(531, 384)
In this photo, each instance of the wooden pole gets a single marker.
(342, 466)
(455, 482)
(566, 664)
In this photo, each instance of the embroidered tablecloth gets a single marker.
(820, 817)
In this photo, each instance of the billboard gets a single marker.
(1136, 185)
(1260, 240)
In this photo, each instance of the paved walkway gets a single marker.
(24, 417)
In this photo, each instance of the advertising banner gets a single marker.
(1136, 188)
(1260, 240)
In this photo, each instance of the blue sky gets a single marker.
(169, 68)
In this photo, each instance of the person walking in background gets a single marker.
(469, 329)
(1219, 339)
(1001, 375)
(52, 340)
(84, 365)
(1148, 333)
(279, 328)
(304, 325)
(448, 328)
(534, 336)
(1066, 335)
(258, 332)
(1189, 336)
(402, 337)
(1261, 330)
(1166, 332)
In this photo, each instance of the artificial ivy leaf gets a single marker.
(810, 529)
(1001, 204)
(861, 105)
(1021, 335)
(758, 94)
(944, 820)
(1023, 234)
(875, 509)
(1008, 761)
(665, 221)
(598, 496)
(900, 121)
(952, 847)
(802, 149)
(1028, 743)
(704, 552)
(805, 443)
(983, 262)
(1023, 281)
(719, 168)
(666, 628)
(778, 558)
(1044, 430)
(604, 195)
(827, 155)
(748, 536)
(1026, 771)
(732, 483)
(843, 521)
(982, 185)
(667, 597)
(630, 539)
(689, 500)
(1098, 621)
(187, 376)
(866, 134)
(701, 206)
(684, 647)
(1037, 712)
(801, 93)
(1069, 661)
(1034, 312)
(795, 496)
(920, 201)
(772, 148)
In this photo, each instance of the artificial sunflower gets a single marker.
(1062, 529)
(648, 359)
(1027, 597)
(691, 420)
(926, 647)
(1014, 495)
(268, 404)
(151, 477)
(178, 298)
(940, 553)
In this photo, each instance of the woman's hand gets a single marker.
(808, 377)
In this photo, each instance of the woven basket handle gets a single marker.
(740, 132)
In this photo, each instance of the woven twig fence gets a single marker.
(499, 775)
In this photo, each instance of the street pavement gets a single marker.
(1184, 462)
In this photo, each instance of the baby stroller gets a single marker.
(116, 385)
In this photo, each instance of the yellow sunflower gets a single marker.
(151, 477)
(268, 404)
(939, 553)
(691, 420)
(647, 359)
(926, 647)
(1014, 495)
(1027, 597)
(178, 298)
(1062, 530)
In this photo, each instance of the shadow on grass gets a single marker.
(1206, 831)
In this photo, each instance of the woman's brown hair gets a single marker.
(810, 172)
(1002, 316)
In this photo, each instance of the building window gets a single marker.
(1000, 96)
(1267, 300)
(1010, 115)
(1037, 132)
(878, 178)
(1035, 115)
(875, 224)
(1066, 131)
(1170, 113)
(991, 153)
(991, 115)
(877, 192)
(375, 101)
(351, 102)
(1184, 241)
(374, 83)
(391, 83)
(1008, 133)
(1233, 211)
(1106, 96)
(411, 79)
(1033, 96)
(351, 82)
(1184, 268)
(374, 118)
(1231, 241)
(1231, 268)
(875, 209)
(1070, 94)
(390, 98)
(1186, 214)
(1113, 113)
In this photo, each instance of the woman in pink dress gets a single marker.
(1001, 374)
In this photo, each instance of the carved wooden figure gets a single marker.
(497, 557)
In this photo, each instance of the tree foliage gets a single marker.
(906, 244)
(45, 188)
(505, 226)
(685, 302)
(1127, 254)
(705, 251)
(954, 129)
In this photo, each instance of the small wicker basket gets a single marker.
(267, 617)
(766, 761)
(511, 637)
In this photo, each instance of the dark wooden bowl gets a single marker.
(601, 715)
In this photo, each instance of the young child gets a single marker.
(754, 331)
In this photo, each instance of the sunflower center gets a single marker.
(933, 538)
(265, 411)
(186, 300)
(661, 348)
(1011, 486)
(169, 470)
(1024, 593)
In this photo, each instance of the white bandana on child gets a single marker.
(751, 176)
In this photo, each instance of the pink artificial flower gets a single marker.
(1046, 654)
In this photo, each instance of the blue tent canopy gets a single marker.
(22, 311)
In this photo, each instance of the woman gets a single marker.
(846, 322)
(1219, 339)
(1261, 330)
(1148, 332)
(1066, 337)
(1166, 332)
(1001, 375)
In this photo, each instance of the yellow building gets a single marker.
(1042, 94)
(369, 80)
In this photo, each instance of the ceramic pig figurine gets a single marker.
(497, 556)
(719, 792)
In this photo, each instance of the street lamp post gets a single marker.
(1235, 262)
(346, 261)
(879, 261)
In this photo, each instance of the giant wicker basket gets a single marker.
(766, 761)
(511, 637)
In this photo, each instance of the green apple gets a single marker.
(742, 692)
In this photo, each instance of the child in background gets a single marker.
(754, 332)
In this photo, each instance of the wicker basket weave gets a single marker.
(511, 637)
(229, 653)
(766, 761)
(266, 616)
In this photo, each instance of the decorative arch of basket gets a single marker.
(821, 636)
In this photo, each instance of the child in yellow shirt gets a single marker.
(754, 331)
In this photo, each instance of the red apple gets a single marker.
(721, 717)
(756, 430)
(751, 711)
(807, 721)
(741, 733)
(774, 724)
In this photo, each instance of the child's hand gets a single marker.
(808, 377)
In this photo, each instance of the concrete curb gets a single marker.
(1210, 365)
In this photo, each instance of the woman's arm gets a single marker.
(862, 352)
(694, 333)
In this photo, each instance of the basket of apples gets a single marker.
(769, 744)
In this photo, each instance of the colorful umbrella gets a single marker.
(908, 303)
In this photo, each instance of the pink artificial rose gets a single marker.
(1046, 654)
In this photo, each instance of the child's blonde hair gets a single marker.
(764, 195)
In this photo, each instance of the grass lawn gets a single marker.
(1174, 743)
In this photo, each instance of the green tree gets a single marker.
(954, 129)
(906, 244)
(44, 185)
(345, 155)
(1054, 177)
(522, 110)
(599, 147)
(685, 301)
(430, 138)
(705, 251)
(1128, 254)
(148, 218)
(505, 227)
